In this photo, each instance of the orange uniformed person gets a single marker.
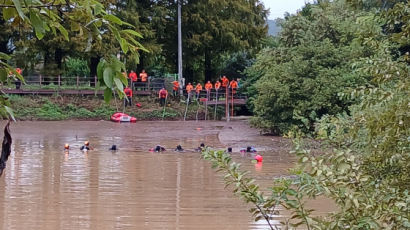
(17, 80)
(233, 85)
(128, 94)
(175, 88)
(198, 89)
(225, 81)
(217, 85)
(144, 78)
(163, 94)
(208, 86)
(189, 88)
(133, 76)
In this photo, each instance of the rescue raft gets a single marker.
(122, 117)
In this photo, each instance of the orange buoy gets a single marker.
(258, 158)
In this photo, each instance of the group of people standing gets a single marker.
(223, 84)
(220, 85)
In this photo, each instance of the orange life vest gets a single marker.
(133, 76)
(225, 81)
(128, 92)
(208, 86)
(198, 88)
(189, 88)
(143, 77)
(217, 85)
(176, 85)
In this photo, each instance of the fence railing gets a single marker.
(152, 86)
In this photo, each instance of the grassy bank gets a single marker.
(94, 108)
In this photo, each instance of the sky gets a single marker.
(279, 7)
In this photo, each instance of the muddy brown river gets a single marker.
(132, 188)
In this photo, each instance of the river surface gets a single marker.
(132, 188)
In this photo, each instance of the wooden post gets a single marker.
(59, 81)
(78, 81)
(95, 80)
(40, 80)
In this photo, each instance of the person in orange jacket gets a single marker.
(144, 78)
(225, 82)
(233, 85)
(133, 76)
(217, 85)
(208, 86)
(198, 89)
(128, 94)
(189, 88)
(17, 80)
(175, 88)
(163, 94)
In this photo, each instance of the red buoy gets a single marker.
(258, 158)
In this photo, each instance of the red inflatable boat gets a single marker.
(122, 117)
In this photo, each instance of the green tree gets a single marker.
(214, 28)
(89, 18)
(298, 81)
(365, 160)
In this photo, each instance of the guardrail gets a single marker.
(152, 86)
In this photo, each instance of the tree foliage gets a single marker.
(87, 19)
(364, 162)
(298, 81)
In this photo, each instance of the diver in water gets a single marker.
(179, 148)
(200, 148)
(157, 149)
(248, 149)
(86, 147)
(66, 148)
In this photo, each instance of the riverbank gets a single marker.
(59, 107)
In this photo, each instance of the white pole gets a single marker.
(179, 48)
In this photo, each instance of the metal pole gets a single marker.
(179, 47)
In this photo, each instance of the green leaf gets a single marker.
(10, 112)
(4, 56)
(108, 76)
(63, 31)
(38, 24)
(133, 32)
(124, 45)
(107, 95)
(3, 75)
(113, 19)
(9, 13)
(119, 84)
(19, 9)
(123, 78)
(100, 69)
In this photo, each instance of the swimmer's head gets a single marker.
(202, 145)
(66, 146)
(86, 143)
(229, 149)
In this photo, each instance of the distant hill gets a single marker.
(273, 28)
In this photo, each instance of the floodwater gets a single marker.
(132, 188)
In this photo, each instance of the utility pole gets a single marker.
(179, 2)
